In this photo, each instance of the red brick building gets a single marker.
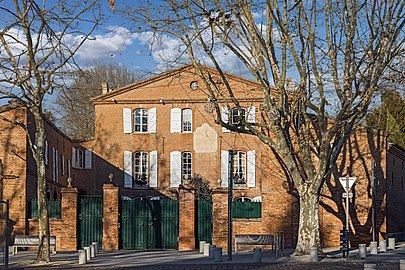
(153, 136)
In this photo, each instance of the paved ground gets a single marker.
(171, 260)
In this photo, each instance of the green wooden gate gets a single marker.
(90, 220)
(204, 221)
(149, 224)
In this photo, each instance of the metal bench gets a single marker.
(31, 241)
(254, 239)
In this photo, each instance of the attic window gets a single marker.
(194, 85)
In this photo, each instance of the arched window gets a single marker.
(242, 199)
(237, 115)
(239, 168)
(186, 120)
(186, 160)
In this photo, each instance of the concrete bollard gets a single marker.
(202, 246)
(370, 266)
(391, 243)
(383, 245)
(373, 248)
(314, 254)
(82, 256)
(362, 251)
(218, 254)
(211, 251)
(87, 249)
(401, 264)
(96, 247)
(92, 251)
(206, 251)
(257, 255)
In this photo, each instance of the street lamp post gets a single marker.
(7, 233)
(230, 187)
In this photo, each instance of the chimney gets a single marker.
(104, 88)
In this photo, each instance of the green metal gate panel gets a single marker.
(204, 221)
(147, 224)
(90, 220)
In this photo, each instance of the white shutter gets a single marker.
(175, 120)
(87, 159)
(73, 157)
(153, 168)
(224, 168)
(53, 163)
(251, 117)
(68, 168)
(251, 168)
(152, 120)
(56, 166)
(225, 118)
(46, 153)
(127, 120)
(175, 169)
(127, 169)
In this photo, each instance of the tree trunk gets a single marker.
(308, 231)
(43, 219)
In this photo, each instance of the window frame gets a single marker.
(239, 168)
(186, 160)
(140, 177)
(183, 121)
(144, 114)
(235, 117)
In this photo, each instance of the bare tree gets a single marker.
(74, 109)
(335, 51)
(37, 44)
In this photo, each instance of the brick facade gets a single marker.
(206, 142)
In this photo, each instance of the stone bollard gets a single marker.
(92, 251)
(82, 256)
(383, 245)
(96, 247)
(401, 264)
(391, 243)
(257, 255)
(218, 254)
(314, 254)
(211, 251)
(87, 249)
(362, 251)
(206, 251)
(370, 266)
(202, 246)
(373, 248)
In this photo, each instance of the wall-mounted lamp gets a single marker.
(111, 176)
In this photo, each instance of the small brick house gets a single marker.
(153, 136)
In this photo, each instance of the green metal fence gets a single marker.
(149, 224)
(54, 209)
(90, 220)
(204, 221)
(246, 209)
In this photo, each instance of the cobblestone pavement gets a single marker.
(173, 260)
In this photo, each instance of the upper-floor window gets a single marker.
(243, 168)
(186, 120)
(181, 120)
(237, 115)
(140, 169)
(234, 116)
(81, 159)
(186, 166)
(139, 120)
(239, 168)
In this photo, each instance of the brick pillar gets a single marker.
(186, 218)
(67, 240)
(110, 217)
(220, 218)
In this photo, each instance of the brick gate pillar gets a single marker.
(67, 240)
(110, 217)
(220, 218)
(186, 217)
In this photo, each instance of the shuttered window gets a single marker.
(244, 168)
(140, 169)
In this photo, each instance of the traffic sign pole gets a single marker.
(347, 183)
(347, 204)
